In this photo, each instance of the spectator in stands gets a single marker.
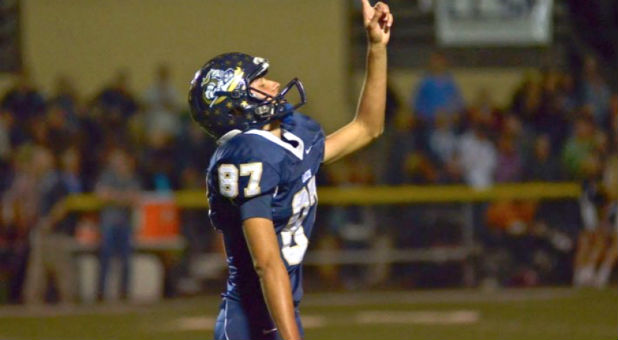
(477, 157)
(402, 142)
(23, 101)
(579, 148)
(484, 110)
(118, 187)
(509, 166)
(399, 138)
(542, 165)
(159, 171)
(20, 209)
(419, 168)
(114, 106)
(70, 171)
(443, 140)
(90, 139)
(162, 104)
(411, 156)
(60, 131)
(51, 250)
(567, 94)
(39, 132)
(512, 127)
(551, 115)
(436, 93)
(595, 91)
(161, 157)
(443, 143)
(66, 98)
(116, 100)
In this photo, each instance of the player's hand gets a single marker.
(378, 21)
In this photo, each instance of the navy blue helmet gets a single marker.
(221, 99)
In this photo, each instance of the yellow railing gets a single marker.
(387, 195)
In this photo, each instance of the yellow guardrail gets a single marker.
(378, 195)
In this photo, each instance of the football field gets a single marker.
(539, 313)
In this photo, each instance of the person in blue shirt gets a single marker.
(437, 93)
(261, 178)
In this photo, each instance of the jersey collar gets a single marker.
(296, 151)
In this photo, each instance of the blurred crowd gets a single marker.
(559, 126)
(113, 144)
(153, 128)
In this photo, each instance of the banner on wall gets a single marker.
(493, 22)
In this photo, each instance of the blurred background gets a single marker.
(486, 210)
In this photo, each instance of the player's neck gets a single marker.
(273, 127)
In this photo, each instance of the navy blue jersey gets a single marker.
(256, 174)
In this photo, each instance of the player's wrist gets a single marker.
(377, 45)
(376, 48)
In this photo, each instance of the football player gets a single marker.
(261, 179)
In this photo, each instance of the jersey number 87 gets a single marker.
(228, 179)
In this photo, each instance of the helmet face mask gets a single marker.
(221, 97)
(278, 105)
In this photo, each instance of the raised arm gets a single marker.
(368, 123)
(264, 248)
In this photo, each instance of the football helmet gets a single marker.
(221, 98)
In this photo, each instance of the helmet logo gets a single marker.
(221, 81)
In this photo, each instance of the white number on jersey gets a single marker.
(228, 179)
(294, 232)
